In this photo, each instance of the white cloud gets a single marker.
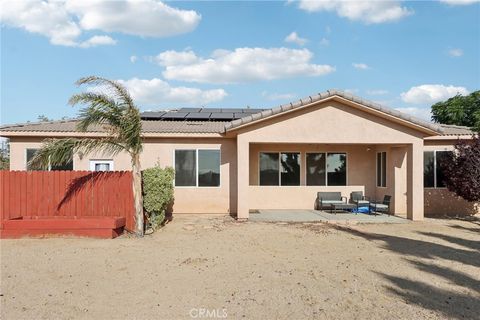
(278, 96)
(422, 113)
(366, 11)
(64, 22)
(98, 41)
(459, 2)
(377, 92)
(156, 91)
(146, 18)
(240, 65)
(431, 93)
(133, 59)
(324, 42)
(456, 52)
(295, 38)
(360, 66)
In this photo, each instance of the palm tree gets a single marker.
(111, 107)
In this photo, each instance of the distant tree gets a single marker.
(43, 118)
(459, 110)
(4, 154)
(462, 169)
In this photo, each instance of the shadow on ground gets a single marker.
(463, 303)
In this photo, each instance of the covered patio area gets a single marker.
(298, 215)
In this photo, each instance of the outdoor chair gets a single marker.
(326, 199)
(383, 206)
(357, 198)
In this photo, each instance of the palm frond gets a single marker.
(59, 151)
(120, 90)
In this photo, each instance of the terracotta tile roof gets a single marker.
(327, 94)
(452, 130)
(147, 125)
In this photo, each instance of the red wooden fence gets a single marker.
(66, 194)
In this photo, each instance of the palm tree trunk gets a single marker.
(137, 194)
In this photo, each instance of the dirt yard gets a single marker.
(213, 267)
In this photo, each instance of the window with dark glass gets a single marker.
(316, 169)
(428, 169)
(208, 168)
(65, 166)
(381, 169)
(441, 157)
(290, 169)
(336, 169)
(185, 168)
(269, 168)
(433, 176)
(30, 154)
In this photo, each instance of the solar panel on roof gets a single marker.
(151, 115)
(210, 110)
(231, 110)
(189, 109)
(198, 116)
(222, 116)
(175, 115)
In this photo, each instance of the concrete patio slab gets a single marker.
(297, 215)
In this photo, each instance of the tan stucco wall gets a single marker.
(440, 201)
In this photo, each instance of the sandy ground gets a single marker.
(428, 270)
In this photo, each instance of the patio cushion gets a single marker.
(329, 196)
(379, 206)
(332, 202)
(362, 202)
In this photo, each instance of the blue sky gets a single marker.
(406, 55)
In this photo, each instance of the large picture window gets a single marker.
(326, 169)
(433, 176)
(336, 169)
(381, 169)
(279, 169)
(316, 169)
(197, 168)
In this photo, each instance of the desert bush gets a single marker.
(157, 193)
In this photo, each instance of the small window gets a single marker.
(197, 168)
(336, 169)
(30, 153)
(290, 169)
(101, 165)
(316, 169)
(269, 169)
(381, 169)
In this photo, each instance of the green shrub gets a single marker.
(157, 193)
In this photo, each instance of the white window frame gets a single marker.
(94, 162)
(196, 167)
(434, 168)
(279, 166)
(381, 171)
(326, 172)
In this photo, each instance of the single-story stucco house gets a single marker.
(238, 160)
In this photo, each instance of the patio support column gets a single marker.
(415, 201)
(243, 177)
